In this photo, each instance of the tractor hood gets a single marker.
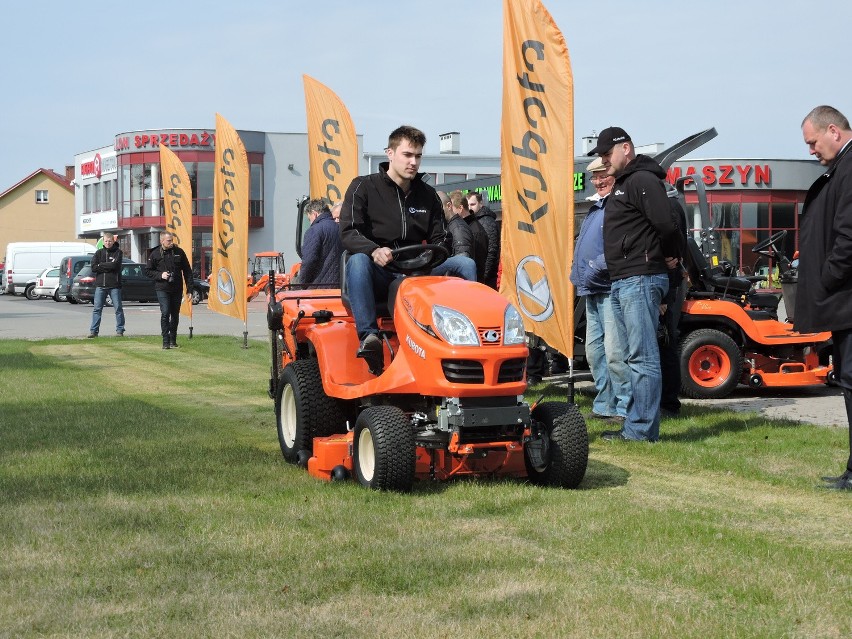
(483, 306)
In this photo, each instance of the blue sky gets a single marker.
(75, 74)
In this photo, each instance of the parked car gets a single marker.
(200, 290)
(47, 285)
(136, 286)
(69, 266)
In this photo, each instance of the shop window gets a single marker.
(783, 215)
(41, 196)
(450, 178)
(255, 190)
(88, 198)
(204, 190)
(749, 215)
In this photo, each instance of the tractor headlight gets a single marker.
(454, 327)
(513, 326)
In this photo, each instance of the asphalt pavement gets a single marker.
(21, 318)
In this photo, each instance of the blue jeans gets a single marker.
(367, 282)
(100, 299)
(636, 312)
(607, 358)
(169, 314)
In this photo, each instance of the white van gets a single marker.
(25, 260)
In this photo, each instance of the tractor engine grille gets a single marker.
(468, 371)
(512, 370)
(463, 371)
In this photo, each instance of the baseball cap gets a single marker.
(608, 138)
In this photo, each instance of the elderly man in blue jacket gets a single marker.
(589, 274)
(321, 248)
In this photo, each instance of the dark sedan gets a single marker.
(135, 286)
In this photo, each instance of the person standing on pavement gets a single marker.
(106, 265)
(640, 246)
(604, 352)
(321, 248)
(669, 334)
(824, 294)
(169, 266)
(488, 220)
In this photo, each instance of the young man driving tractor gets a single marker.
(388, 210)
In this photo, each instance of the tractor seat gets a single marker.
(730, 284)
(383, 309)
(708, 279)
(765, 301)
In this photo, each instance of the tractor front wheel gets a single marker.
(303, 410)
(384, 450)
(562, 447)
(711, 364)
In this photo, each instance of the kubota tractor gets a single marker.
(730, 333)
(449, 402)
(258, 278)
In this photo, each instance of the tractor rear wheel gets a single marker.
(565, 446)
(303, 410)
(711, 364)
(384, 450)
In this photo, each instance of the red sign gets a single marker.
(93, 167)
(726, 174)
(171, 139)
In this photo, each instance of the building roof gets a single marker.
(61, 180)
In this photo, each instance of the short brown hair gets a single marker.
(459, 199)
(406, 132)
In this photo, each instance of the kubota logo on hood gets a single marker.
(533, 289)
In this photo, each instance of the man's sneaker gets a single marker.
(92, 335)
(120, 333)
(174, 345)
(372, 352)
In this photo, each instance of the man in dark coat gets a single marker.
(488, 220)
(459, 237)
(391, 209)
(321, 248)
(169, 266)
(478, 233)
(641, 244)
(106, 265)
(824, 293)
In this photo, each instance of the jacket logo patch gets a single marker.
(618, 192)
(414, 211)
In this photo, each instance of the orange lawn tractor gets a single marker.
(730, 333)
(449, 402)
(258, 278)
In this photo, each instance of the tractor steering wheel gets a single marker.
(769, 242)
(428, 257)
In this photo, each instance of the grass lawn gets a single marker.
(142, 494)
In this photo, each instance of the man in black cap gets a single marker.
(641, 244)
